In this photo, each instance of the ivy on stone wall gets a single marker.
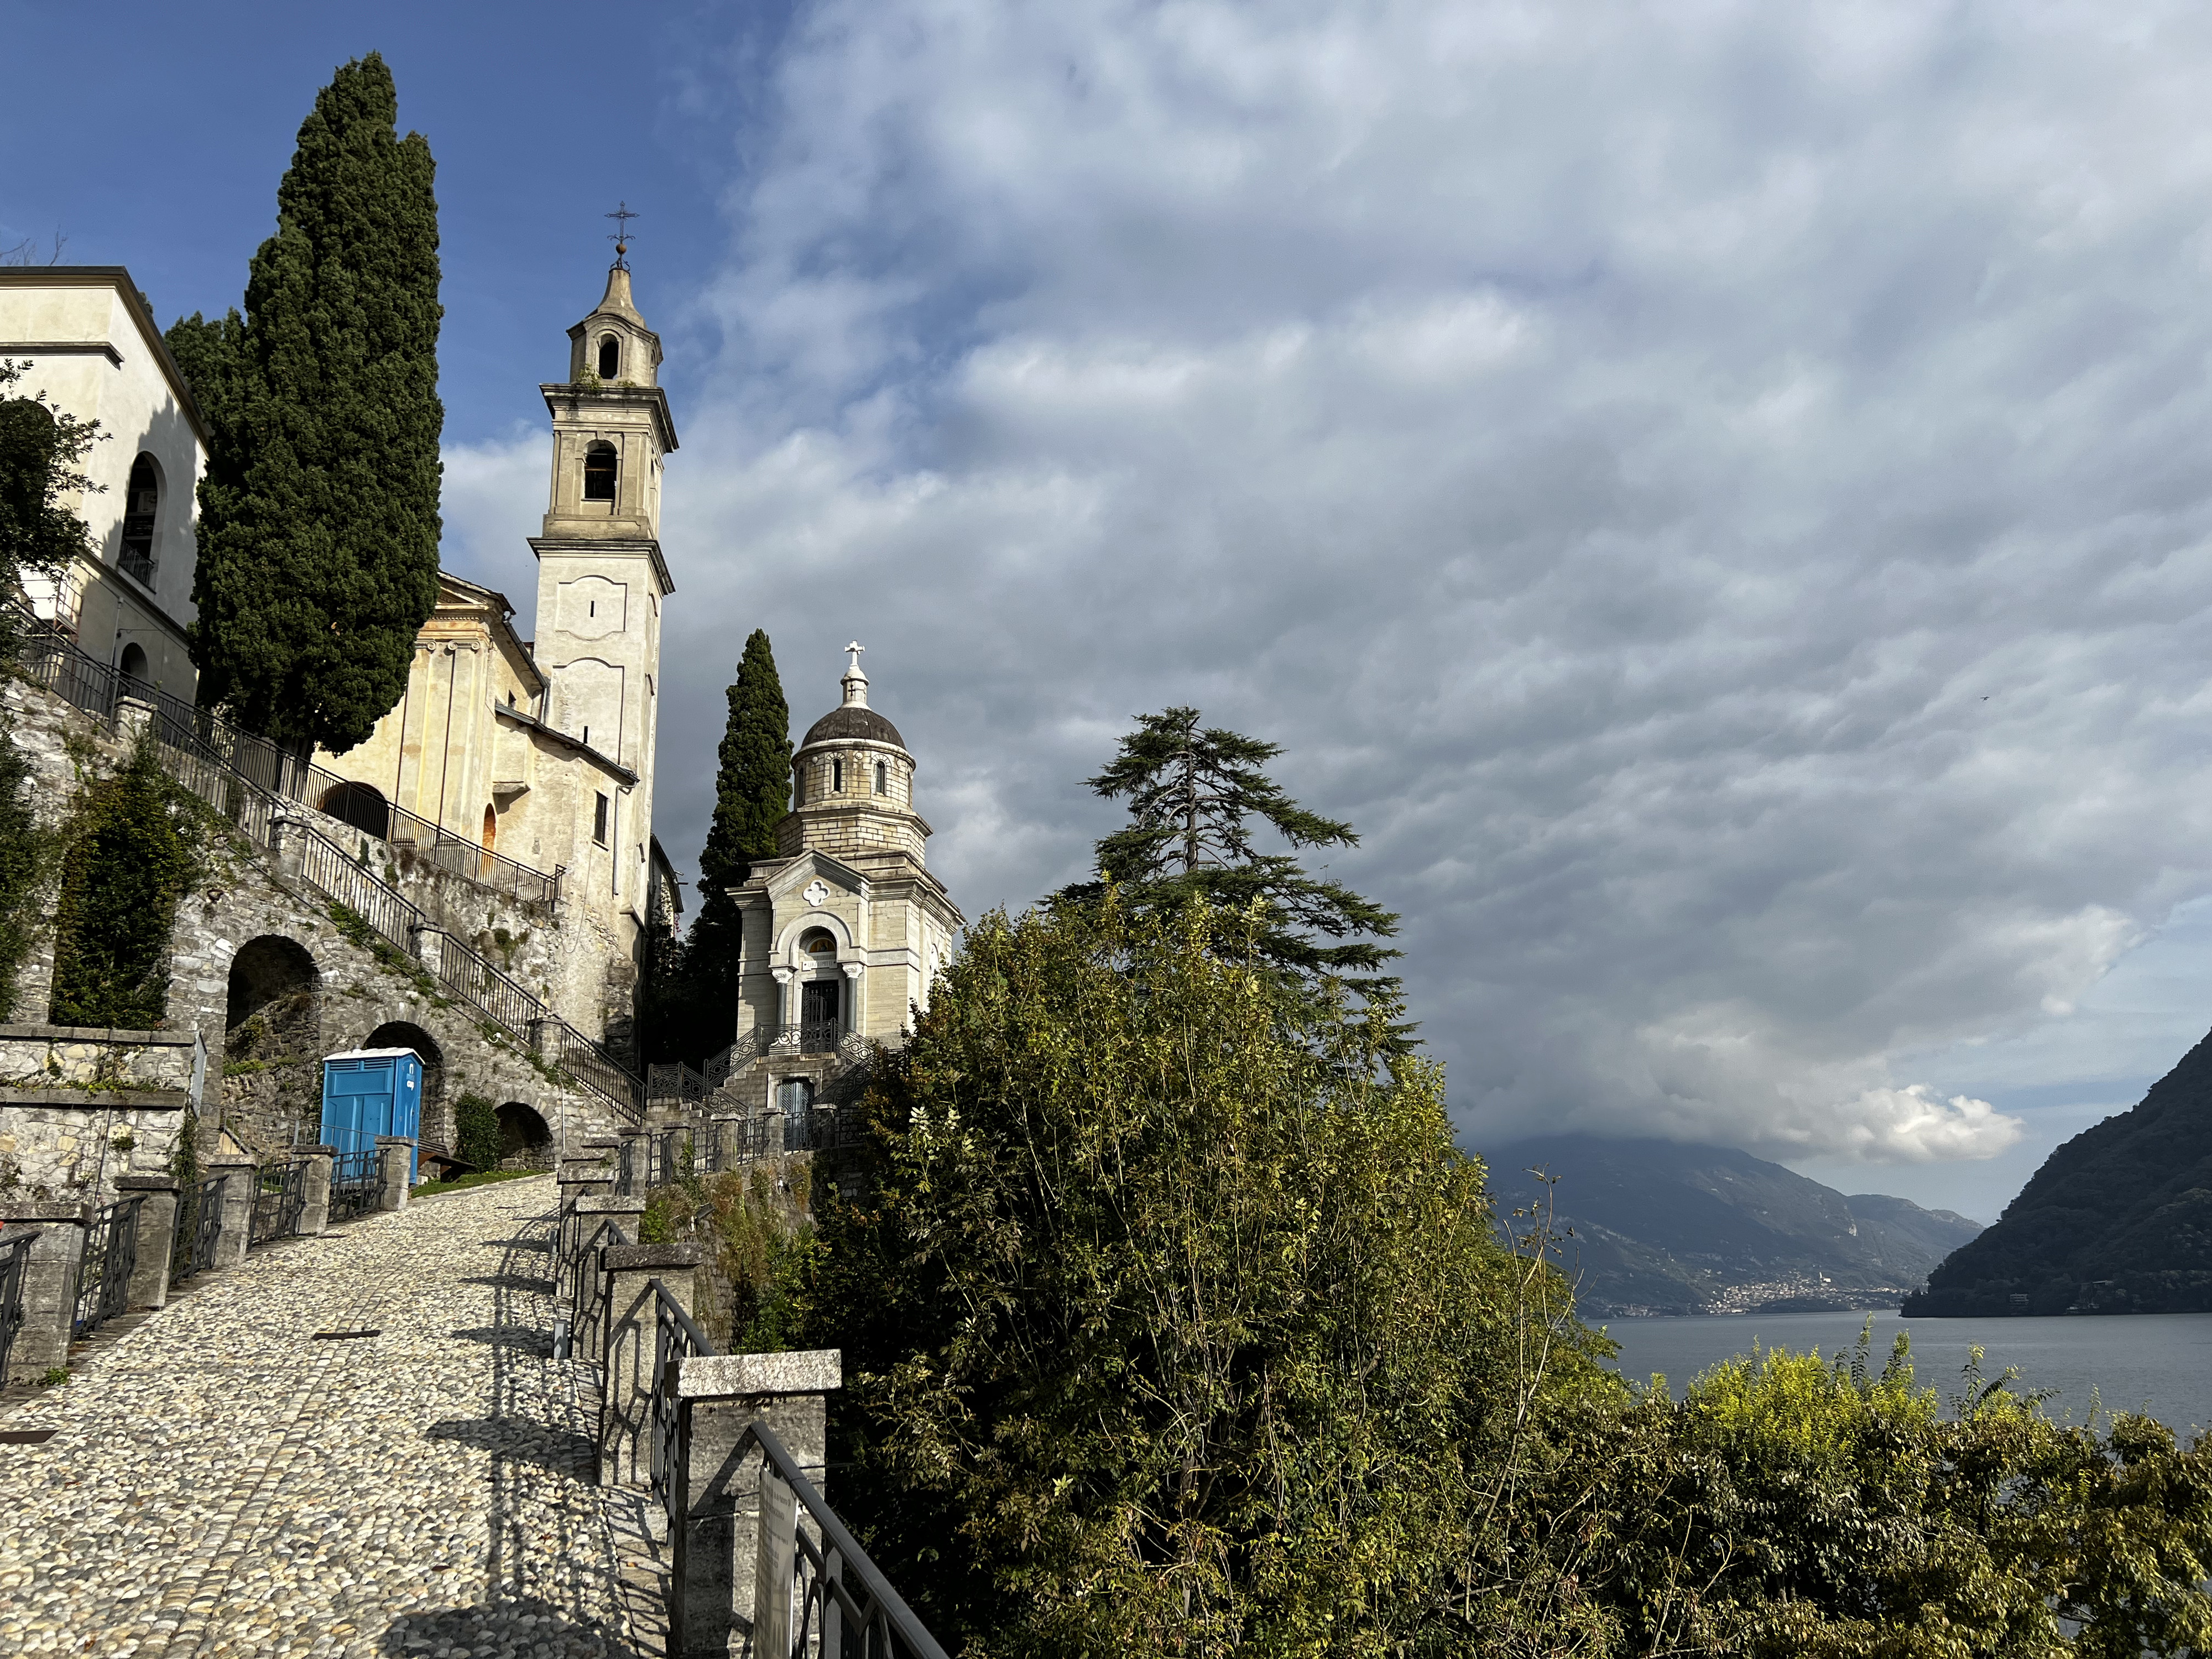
(126, 861)
(24, 851)
(476, 1132)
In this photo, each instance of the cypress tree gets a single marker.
(752, 789)
(691, 997)
(318, 513)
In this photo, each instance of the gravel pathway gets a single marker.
(224, 1483)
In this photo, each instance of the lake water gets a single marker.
(2158, 1362)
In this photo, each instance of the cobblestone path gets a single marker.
(222, 1482)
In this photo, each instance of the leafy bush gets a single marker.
(477, 1139)
(24, 850)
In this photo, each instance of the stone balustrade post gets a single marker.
(630, 1349)
(714, 1552)
(157, 1234)
(395, 1163)
(315, 1190)
(595, 1217)
(428, 943)
(287, 841)
(49, 1286)
(241, 1182)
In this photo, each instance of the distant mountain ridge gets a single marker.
(2118, 1220)
(1662, 1227)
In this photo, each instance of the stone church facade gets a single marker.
(845, 928)
(541, 749)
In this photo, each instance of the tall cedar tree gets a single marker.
(692, 999)
(1194, 792)
(42, 454)
(318, 513)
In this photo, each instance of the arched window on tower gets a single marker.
(883, 779)
(610, 356)
(836, 777)
(142, 505)
(599, 472)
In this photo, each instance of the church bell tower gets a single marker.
(601, 578)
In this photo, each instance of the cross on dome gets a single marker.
(855, 647)
(856, 682)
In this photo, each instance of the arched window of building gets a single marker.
(836, 777)
(883, 779)
(133, 664)
(599, 472)
(610, 356)
(142, 505)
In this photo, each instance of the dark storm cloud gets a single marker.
(1717, 497)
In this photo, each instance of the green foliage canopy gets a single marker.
(1194, 795)
(42, 452)
(1172, 1320)
(319, 511)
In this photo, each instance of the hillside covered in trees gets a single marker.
(1658, 1226)
(2118, 1220)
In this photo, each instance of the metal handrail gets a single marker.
(211, 739)
(244, 777)
(825, 1572)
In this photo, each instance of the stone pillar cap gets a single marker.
(610, 1207)
(147, 1183)
(635, 1258)
(395, 1140)
(736, 1376)
(32, 1209)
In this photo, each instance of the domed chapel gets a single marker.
(845, 928)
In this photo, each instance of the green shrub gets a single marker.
(24, 850)
(477, 1139)
(126, 864)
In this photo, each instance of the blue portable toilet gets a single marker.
(368, 1092)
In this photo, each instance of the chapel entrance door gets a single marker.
(817, 1015)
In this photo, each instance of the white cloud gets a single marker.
(1716, 495)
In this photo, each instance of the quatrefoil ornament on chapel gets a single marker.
(817, 893)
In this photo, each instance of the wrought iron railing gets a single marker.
(199, 1231)
(244, 777)
(328, 868)
(476, 982)
(103, 1275)
(279, 1190)
(14, 1262)
(675, 1081)
(816, 1594)
(356, 1183)
(626, 1169)
(715, 1070)
(219, 747)
(813, 1036)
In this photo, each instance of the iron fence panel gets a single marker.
(279, 1191)
(485, 987)
(103, 1275)
(14, 1262)
(356, 1184)
(199, 1231)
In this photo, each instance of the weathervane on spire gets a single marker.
(622, 216)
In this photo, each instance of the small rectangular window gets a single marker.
(599, 819)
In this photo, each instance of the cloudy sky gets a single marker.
(1716, 492)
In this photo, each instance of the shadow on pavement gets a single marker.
(522, 1339)
(562, 1450)
(525, 1626)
